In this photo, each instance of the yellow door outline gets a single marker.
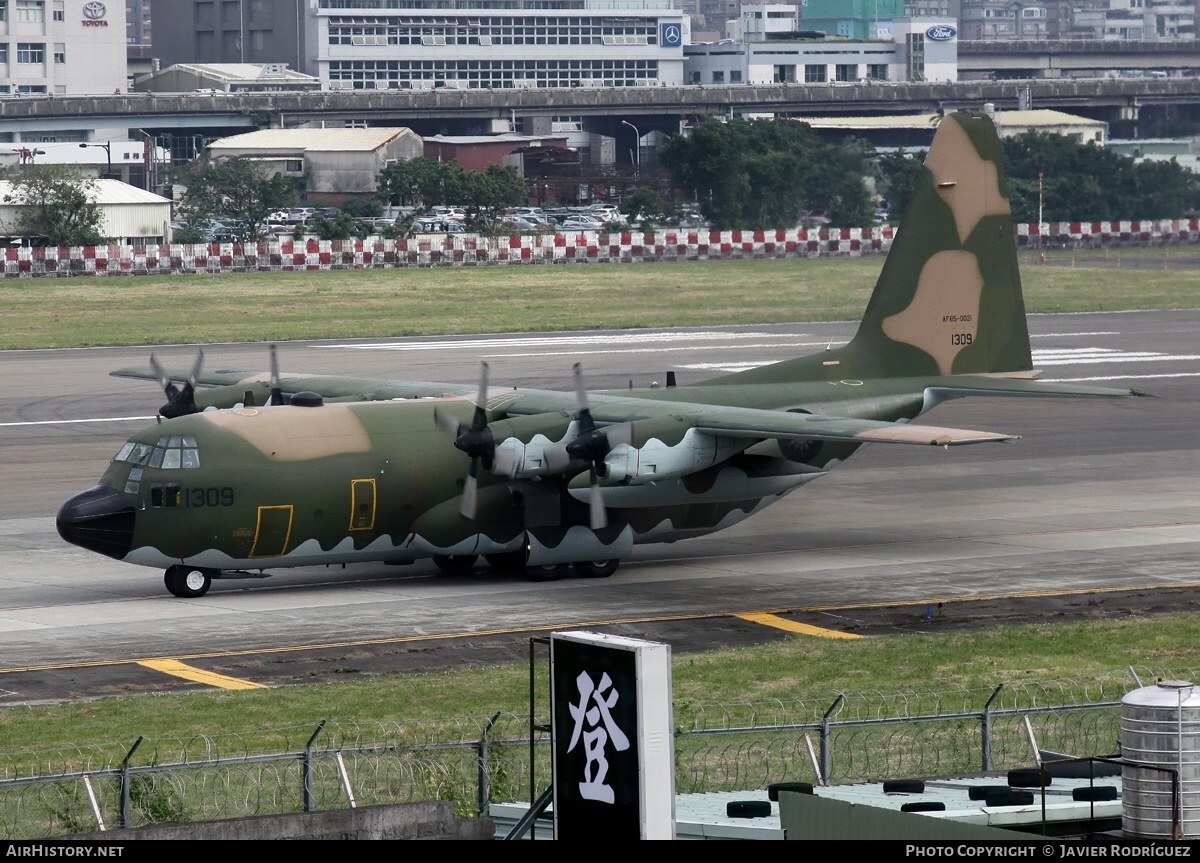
(362, 504)
(268, 529)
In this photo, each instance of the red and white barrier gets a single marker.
(586, 247)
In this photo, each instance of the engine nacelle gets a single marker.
(655, 460)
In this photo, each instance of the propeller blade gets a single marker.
(446, 423)
(586, 423)
(480, 418)
(619, 434)
(470, 493)
(557, 458)
(276, 387)
(164, 380)
(599, 515)
(181, 401)
(194, 374)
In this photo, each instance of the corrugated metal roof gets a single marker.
(505, 138)
(311, 139)
(922, 121)
(106, 192)
(242, 72)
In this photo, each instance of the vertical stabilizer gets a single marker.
(948, 300)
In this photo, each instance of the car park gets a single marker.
(582, 223)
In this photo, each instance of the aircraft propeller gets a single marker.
(475, 440)
(592, 444)
(181, 401)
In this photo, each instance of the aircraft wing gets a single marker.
(755, 423)
(814, 427)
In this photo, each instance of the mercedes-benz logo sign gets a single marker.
(941, 33)
(94, 10)
(672, 35)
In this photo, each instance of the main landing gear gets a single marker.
(188, 582)
(512, 563)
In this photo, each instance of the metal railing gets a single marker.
(844, 737)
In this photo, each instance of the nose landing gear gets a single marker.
(188, 582)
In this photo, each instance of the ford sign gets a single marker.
(941, 33)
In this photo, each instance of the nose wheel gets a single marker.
(187, 582)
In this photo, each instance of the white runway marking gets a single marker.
(809, 345)
(69, 422)
(1041, 358)
(1080, 356)
(563, 340)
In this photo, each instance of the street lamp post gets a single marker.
(107, 145)
(637, 147)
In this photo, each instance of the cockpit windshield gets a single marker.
(169, 453)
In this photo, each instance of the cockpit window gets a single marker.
(170, 453)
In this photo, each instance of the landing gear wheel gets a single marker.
(187, 582)
(549, 572)
(455, 564)
(597, 568)
(508, 562)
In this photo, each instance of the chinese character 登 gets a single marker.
(601, 728)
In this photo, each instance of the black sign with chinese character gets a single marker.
(596, 782)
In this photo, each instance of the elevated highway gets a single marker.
(1072, 58)
(468, 111)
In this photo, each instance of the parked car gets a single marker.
(604, 212)
(516, 223)
(440, 226)
(582, 223)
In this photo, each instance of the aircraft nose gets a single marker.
(99, 519)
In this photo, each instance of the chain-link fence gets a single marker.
(838, 738)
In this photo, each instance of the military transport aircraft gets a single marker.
(248, 472)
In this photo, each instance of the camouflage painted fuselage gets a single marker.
(371, 474)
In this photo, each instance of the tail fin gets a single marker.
(948, 300)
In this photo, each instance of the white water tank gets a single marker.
(1160, 726)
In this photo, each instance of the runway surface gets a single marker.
(1097, 496)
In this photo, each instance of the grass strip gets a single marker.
(797, 667)
(198, 308)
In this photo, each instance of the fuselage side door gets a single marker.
(273, 531)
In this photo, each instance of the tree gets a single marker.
(765, 173)
(238, 192)
(898, 173)
(1087, 183)
(647, 205)
(56, 203)
(421, 183)
(362, 208)
(487, 193)
(340, 227)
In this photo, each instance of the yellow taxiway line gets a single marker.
(178, 669)
(947, 601)
(793, 626)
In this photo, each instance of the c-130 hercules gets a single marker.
(354, 470)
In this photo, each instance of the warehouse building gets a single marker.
(333, 164)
